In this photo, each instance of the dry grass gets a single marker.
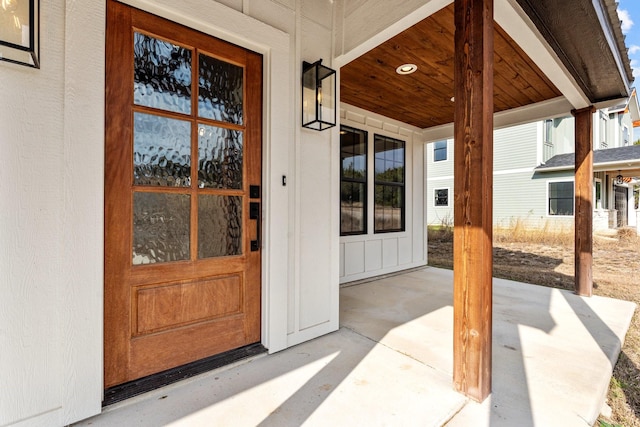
(519, 232)
(546, 257)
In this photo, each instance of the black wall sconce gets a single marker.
(318, 96)
(20, 32)
(619, 180)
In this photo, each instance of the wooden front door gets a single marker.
(182, 195)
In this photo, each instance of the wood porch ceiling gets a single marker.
(423, 99)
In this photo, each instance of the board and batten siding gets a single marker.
(519, 194)
(373, 254)
(51, 233)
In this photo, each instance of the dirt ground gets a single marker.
(549, 261)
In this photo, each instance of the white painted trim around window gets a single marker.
(595, 200)
(433, 199)
(550, 181)
(433, 152)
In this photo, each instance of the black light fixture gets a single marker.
(619, 179)
(318, 96)
(20, 32)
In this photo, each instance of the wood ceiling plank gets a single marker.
(423, 98)
(518, 66)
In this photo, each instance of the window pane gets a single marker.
(220, 157)
(389, 205)
(548, 127)
(162, 74)
(561, 198)
(561, 189)
(220, 90)
(560, 207)
(354, 167)
(353, 184)
(442, 197)
(352, 208)
(161, 151)
(625, 135)
(389, 159)
(439, 151)
(160, 227)
(219, 226)
(353, 151)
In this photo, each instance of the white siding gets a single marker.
(516, 148)
(516, 195)
(32, 222)
(315, 250)
(372, 254)
(51, 226)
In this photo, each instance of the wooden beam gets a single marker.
(584, 201)
(473, 197)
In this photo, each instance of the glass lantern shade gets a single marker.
(318, 96)
(20, 32)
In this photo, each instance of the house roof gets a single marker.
(620, 158)
(588, 39)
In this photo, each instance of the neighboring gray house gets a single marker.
(534, 172)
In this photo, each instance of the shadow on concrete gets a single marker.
(409, 317)
(386, 305)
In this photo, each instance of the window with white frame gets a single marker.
(560, 200)
(603, 130)
(597, 192)
(625, 135)
(548, 131)
(439, 151)
(547, 143)
(441, 197)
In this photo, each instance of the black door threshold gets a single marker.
(133, 388)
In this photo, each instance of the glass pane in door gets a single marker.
(220, 90)
(219, 226)
(161, 224)
(220, 157)
(161, 151)
(162, 74)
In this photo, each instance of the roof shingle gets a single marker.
(609, 155)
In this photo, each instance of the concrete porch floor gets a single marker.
(390, 364)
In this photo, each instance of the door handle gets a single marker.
(254, 213)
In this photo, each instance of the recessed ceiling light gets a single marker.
(406, 69)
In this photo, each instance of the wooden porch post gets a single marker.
(473, 191)
(584, 201)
